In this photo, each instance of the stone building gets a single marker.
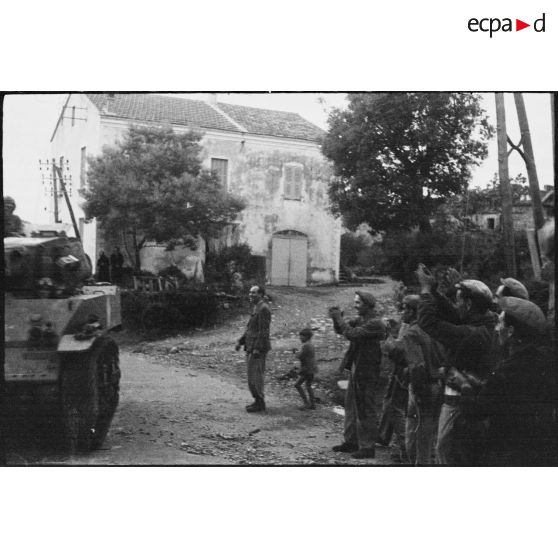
(270, 158)
(522, 215)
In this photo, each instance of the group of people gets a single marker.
(472, 378)
(110, 270)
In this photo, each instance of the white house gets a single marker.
(271, 158)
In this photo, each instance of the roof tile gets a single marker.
(188, 112)
(159, 108)
(273, 122)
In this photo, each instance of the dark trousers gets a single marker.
(256, 368)
(361, 423)
(392, 419)
(420, 432)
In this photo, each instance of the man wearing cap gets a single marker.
(362, 359)
(518, 396)
(508, 287)
(12, 223)
(466, 332)
(511, 287)
(423, 357)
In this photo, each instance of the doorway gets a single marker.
(289, 259)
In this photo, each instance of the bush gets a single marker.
(482, 252)
(169, 310)
(218, 265)
(351, 247)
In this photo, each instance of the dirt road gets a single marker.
(183, 397)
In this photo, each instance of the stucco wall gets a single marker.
(68, 141)
(257, 173)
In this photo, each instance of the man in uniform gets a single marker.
(362, 359)
(466, 331)
(422, 357)
(12, 223)
(256, 344)
(519, 396)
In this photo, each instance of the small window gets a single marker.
(293, 182)
(83, 167)
(221, 167)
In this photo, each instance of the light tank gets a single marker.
(61, 367)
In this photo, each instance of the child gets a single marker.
(308, 368)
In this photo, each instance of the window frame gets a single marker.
(226, 173)
(293, 193)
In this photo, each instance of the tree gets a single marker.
(397, 155)
(151, 187)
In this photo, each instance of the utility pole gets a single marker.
(529, 158)
(505, 191)
(58, 170)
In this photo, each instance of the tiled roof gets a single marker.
(273, 122)
(159, 108)
(175, 110)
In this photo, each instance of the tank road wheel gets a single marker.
(107, 368)
(90, 386)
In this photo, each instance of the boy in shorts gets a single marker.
(308, 368)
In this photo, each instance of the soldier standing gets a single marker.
(256, 344)
(466, 331)
(12, 223)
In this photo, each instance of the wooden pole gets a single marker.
(505, 191)
(55, 192)
(529, 158)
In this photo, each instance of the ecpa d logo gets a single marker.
(492, 25)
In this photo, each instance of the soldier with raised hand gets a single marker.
(466, 331)
(422, 358)
(362, 359)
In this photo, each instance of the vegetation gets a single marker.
(396, 156)
(151, 187)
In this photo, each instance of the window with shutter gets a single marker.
(293, 182)
(221, 166)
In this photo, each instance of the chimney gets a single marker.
(109, 102)
(212, 99)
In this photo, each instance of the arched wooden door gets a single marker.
(289, 259)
